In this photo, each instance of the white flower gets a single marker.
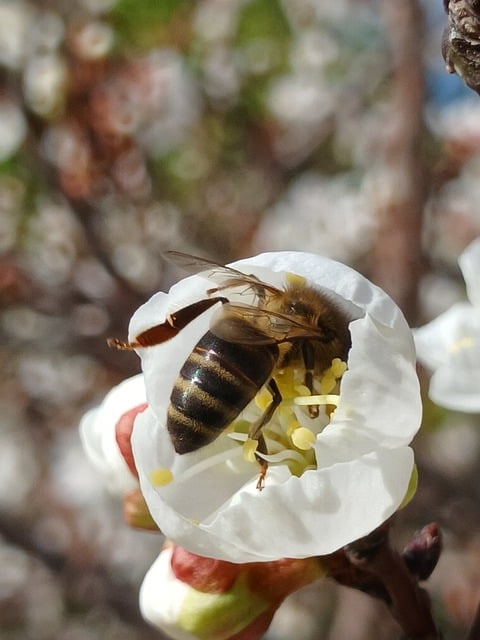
(449, 345)
(352, 479)
(99, 436)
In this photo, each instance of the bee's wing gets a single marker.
(247, 324)
(225, 277)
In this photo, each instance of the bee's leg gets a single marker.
(255, 432)
(256, 428)
(309, 364)
(262, 448)
(168, 329)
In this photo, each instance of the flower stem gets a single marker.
(409, 604)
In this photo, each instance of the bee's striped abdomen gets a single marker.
(216, 382)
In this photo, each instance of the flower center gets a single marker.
(291, 433)
(289, 436)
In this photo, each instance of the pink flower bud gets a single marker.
(189, 596)
(123, 433)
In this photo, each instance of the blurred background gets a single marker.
(221, 128)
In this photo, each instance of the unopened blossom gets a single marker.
(190, 597)
(105, 433)
(332, 478)
(449, 345)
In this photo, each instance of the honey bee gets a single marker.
(244, 347)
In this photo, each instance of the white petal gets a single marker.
(456, 384)
(317, 513)
(437, 340)
(293, 517)
(380, 394)
(469, 263)
(97, 432)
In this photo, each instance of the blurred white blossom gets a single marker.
(45, 81)
(93, 40)
(329, 215)
(13, 129)
(449, 345)
(15, 22)
(302, 104)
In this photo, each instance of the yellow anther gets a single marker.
(249, 449)
(328, 382)
(292, 426)
(338, 367)
(295, 279)
(263, 399)
(302, 390)
(303, 438)
(239, 426)
(161, 477)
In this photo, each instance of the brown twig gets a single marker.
(396, 259)
(410, 605)
(373, 566)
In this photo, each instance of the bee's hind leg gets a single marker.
(255, 432)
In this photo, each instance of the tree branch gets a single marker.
(396, 259)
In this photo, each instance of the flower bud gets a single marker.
(189, 596)
(106, 431)
(123, 433)
(136, 513)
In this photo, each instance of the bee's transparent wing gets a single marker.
(225, 277)
(247, 324)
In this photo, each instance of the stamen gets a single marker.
(332, 374)
(283, 456)
(302, 390)
(162, 477)
(295, 279)
(303, 438)
(263, 399)
(324, 398)
(328, 382)
(249, 449)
